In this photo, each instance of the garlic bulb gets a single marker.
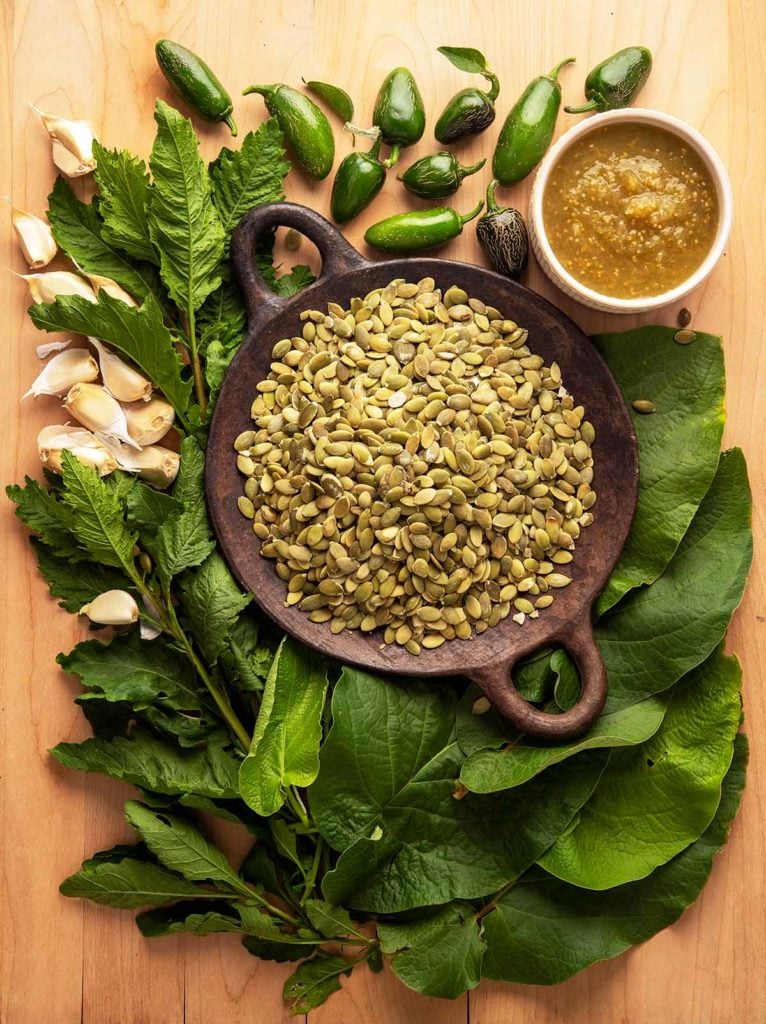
(35, 238)
(49, 347)
(112, 608)
(95, 408)
(155, 464)
(47, 287)
(72, 144)
(53, 440)
(111, 288)
(121, 380)
(72, 366)
(148, 422)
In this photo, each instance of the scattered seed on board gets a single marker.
(684, 317)
(414, 468)
(644, 406)
(684, 337)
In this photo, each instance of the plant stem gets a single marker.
(296, 806)
(199, 384)
(491, 904)
(312, 877)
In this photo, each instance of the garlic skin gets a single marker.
(47, 287)
(121, 381)
(94, 407)
(111, 288)
(86, 448)
(49, 347)
(148, 631)
(35, 238)
(72, 144)
(155, 464)
(72, 366)
(112, 608)
(148, 422)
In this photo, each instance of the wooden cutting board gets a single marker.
(68, 961)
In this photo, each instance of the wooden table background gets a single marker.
(69, 961)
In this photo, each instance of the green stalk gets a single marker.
(199, 384)
(312, 876)
(494, 84)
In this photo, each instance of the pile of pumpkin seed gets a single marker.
(414, 468)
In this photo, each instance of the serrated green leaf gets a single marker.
(314, 981)
(78, 584)
(465, 58)
(130, 883)
(329, 920)
(147, 508)
(137, 332)
(249, 653)
(285, 747)
(221, 319)
(190, 917)
(124, 190)
(184, 225)
(211, 602)
(544, 931)
(180, 846)
(655, 799)
(437, 956)
(337, 99)
(184, 539)
(44, 512)
(249, 176)
(77, 228)
(155, 765)
(98, 516)
(292, 282)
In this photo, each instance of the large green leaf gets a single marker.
(658, 634)
(183, 222)
(124, 191)
(439, 955)
(137, 332)
(385, 796)
(285, 747)
(98, 515)
(544, 930)
(128, 883)
(211, 603)
(45, 513)
(678, 444)
(78, 584)
(655, 799)
(184, 538)
(77, 227)
(314, 981)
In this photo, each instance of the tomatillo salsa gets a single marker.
(630, 210)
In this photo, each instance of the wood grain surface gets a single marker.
(67, 961)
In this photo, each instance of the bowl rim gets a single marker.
(718, 173)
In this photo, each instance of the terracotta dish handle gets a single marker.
(579, 641)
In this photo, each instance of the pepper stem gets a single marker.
(465, 172)
(229, 120)
(374, 151)
(393, 160)
(262, 90)
(494, 84)
(555, 73)
(492, 206)
(590, 105)
(464, 218)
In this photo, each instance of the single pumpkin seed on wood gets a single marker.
(414, 467)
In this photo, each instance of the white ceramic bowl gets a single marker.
(545, 254)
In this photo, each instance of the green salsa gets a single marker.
(630, 210)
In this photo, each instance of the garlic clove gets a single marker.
(95, 408)
(72, 144)
(112, 608)
(53, 440)
(111, 288)
(47, 287)
(35, 238)
(148, 422)
(49, 347)
(121, 381)
(155, 464)
(72, 366)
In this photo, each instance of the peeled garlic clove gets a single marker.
(73, 366)
(121, 380)
(47, 287)
(95, 408)
(155, 464)
(72, 144)
(111, 288)
(148, 422)
(112, 608)
(49, 347)
(35, 238)
(53, 440)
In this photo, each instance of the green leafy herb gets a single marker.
(97, 516)
(124, 193)
(78, 584)
(191, 917)
(314, 981)
(130, 883)
(184, 540)
(211, 603)
(465, 58)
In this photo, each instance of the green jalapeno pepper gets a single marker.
(469, 111)
(399, 112)
(616, 81)
(194, 82)
(304, 125)
(359, 179)
(528, 129)
(503, 236)
(418, 229)
(437, 176)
